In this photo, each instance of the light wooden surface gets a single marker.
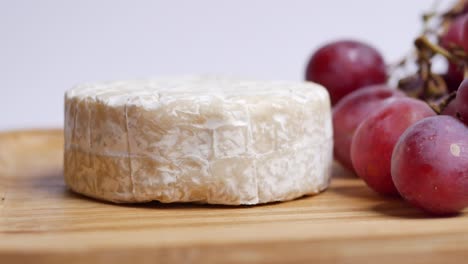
(42, 222)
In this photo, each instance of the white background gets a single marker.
(48, 46)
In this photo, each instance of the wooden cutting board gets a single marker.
(43, 222)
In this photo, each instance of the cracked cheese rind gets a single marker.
(203, 139)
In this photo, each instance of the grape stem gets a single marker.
(458, 56)
(423, 41)
(425, 84)
(439, 106)
(433, 86)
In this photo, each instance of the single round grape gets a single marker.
(464, 34)
(345, 66)
(373, 142)
(430, 165)
(350, 111)
(461, 102)
(454, 38)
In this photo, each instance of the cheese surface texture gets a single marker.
(204, 139)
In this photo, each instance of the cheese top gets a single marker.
(153, 92)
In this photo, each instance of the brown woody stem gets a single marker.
(422, 41)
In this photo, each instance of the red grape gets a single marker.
(350, 111)
(430, 165)
(345, 66)
(464, 35)
(454, 37)
(461, 102)
(373, 142)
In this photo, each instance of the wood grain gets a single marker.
(42, 222)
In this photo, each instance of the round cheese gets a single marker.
(199, 139)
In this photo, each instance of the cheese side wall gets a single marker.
(198, 139)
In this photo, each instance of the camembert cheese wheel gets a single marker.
(203, 139)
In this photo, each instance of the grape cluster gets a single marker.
(399, 142)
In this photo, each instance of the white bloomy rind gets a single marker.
(200, 139)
